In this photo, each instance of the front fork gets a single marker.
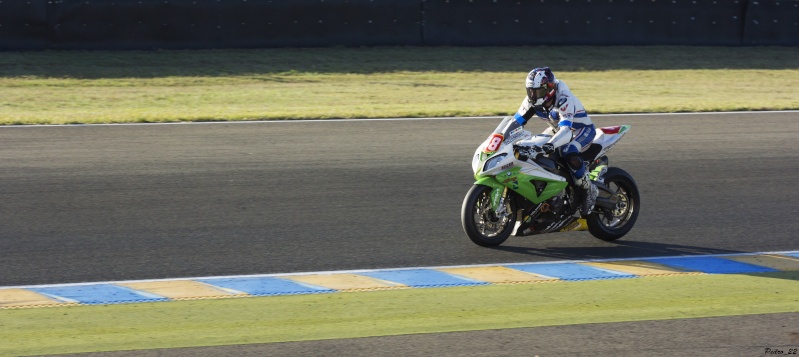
(499, 194)
(498, 197)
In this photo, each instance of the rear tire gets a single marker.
(481, 223)
(624, 215)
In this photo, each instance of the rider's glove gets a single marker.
(548, 148)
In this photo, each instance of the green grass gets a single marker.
(53, 87)
(381, 313)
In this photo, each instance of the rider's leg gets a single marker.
(581, 178)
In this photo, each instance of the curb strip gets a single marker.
(140, 291)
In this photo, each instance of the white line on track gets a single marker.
(375, 119)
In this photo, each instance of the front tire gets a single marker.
(612, 225)
(483, 226)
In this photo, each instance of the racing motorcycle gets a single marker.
(523, 192)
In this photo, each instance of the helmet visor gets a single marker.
(536, 93)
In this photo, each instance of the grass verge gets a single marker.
(380, 313)
(53, 87)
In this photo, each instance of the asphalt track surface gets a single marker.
(713, 336)
(124, 202)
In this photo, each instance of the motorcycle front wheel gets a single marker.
(613, 224)
(481, 223)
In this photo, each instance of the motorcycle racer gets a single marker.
(569, 124)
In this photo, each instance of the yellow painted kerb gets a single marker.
(178, 289)
(497, 274)
(22, 297)
(344, 281)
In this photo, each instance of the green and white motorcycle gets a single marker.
(521, 195)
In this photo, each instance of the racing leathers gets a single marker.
(572, 132)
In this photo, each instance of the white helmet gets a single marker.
(540, 85)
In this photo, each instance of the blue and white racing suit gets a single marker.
(569, 124)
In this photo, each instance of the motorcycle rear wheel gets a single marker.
(622, 218)
(481, 223)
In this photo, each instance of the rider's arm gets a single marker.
(562, 137)
(563, 114)
(526, 111)
(549, 131)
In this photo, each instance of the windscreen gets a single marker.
(503, 125)
(508, 131)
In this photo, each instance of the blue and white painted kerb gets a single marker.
(383, 279)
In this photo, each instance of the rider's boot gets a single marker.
(589, 192)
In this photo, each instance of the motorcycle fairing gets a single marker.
(578, 225)
(522, 179)
(605, 138)
(569, 224)
(497, 189)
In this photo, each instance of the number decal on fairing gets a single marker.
(493, 143)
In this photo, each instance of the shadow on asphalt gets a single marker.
(630, 249)
(622, 249)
